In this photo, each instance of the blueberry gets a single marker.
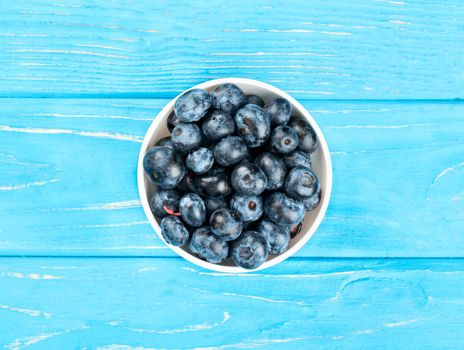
(297, 158)
(208, 246)
(192, 209)
(188, 184)
(279, 110)
(274, 168)
(185, 137)
(165, 142)
(277, 236)
(284, 139)
(225, 224)
(230, 151)
(312, 202)
(218, 124)
(248, 179)
(227, 97)
(200, 160)
(173, 231)
(283, 210)
(295, 229)
(173, 121)
(164, 202)
(163, 167)
(253, 124)
(248, 207)
(192, 105)
(213, 204)
(249, 250)
(306, 134)
(253, 99)
(214, 183)
(301, 183)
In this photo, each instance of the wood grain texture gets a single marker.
(165, 303)
(68, 178)
(68, 174)
(375, 49)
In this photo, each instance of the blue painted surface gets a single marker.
(81, 268)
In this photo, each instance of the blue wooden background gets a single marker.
(80, 267)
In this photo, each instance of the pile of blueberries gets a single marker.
(234, 178)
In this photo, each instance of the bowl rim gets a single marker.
(305, 236)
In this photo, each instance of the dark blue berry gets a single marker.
(230, 151)
(301, 183)
(163, 167)
(187, 185)
(225, 224)
(297, 158)
(283, 210)
(208, 246)
(274, 168)
(172, 122)
(284, 139)
(248, 178)
(279, 110)
(253, 99)
(192, 209)
(253, 124)
(277, 236)
(173, 231)
(213, 204)
(306, 134)
(250, 250)
(185, 137)
(165, 142)
(214, 183)
(312, 202)
(218, 124)
(248, 207)
(164, 202)
(200, 160)
(192, 105)
(227, 97)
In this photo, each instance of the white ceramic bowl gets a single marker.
(321, 164)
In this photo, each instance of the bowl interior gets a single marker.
(320, 164)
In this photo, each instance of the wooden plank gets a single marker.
(375, 49)
(68, 178)
(165, 303)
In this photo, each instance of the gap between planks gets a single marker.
(171, 95)
(311, 258)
